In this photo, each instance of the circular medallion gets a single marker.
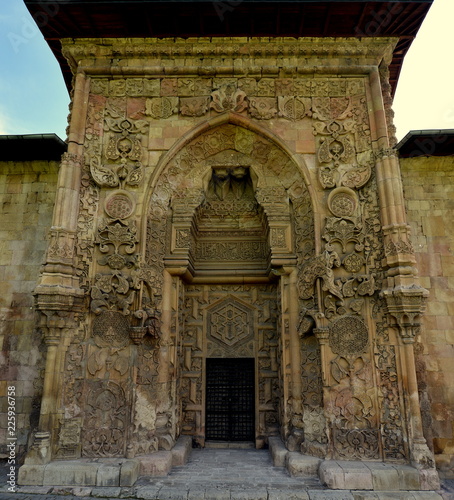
(342, 202)
(119, 205)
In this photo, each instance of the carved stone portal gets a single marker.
(227, 217)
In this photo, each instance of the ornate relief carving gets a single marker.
(315, 438)
(393, 431)
(228, 98)
(230, 322)
(294, 108)
(232, 250)
(357, 444)
(124, 149)
(393, 248)
(161, 107)
(344, 153)
(61, 246)
(106, 420)
(343, 202)
(117, 240)
(319, 267)
(348, 336)
(108, 362)
(113, 291)
(262, 108)
(69, 444)
(111, 329)
(194, 106)
(120, 205)
(277, 237)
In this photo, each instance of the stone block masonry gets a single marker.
(429, 192)
(27, 194)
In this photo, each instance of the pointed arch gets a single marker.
(230, 118)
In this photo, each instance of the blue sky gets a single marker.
(34, 100)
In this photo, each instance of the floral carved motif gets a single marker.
(161, 107)
(294, 108)
(123, 151)
(120, 205)
(393, 433)
(228, 98)
(113, 291)
(106, 420)
(262, 108)
(117, 240)
(193, 106)
(344, 154)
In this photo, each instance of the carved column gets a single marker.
(58, 294)
(58, 270)
(406, 308)
(404, 296)
(291, 339)
(53, 325)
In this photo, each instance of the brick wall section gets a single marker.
(429, 192)
(27, 194)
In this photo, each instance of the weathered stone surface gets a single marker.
(248, 494)
(181, 450)
(332, 474)
(278, 451)
(156, 464)
(130, 470)
(108, 474)
(330, 495)
(106, 492)
(81, 491)
(70, 473)
(31, 475)
(302, 465)
(428, 183)
(217, 217)
(284, 494)
(217, 494)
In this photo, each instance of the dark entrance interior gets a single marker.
(230, 396)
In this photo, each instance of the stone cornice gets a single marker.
(229, 54)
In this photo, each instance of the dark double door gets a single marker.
(230, 399)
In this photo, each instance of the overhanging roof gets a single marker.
(213, 18)
(31, 147)
(427, 143)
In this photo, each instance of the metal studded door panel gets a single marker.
(230, 396)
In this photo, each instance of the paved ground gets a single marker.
(218, 474)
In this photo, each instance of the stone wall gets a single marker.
(27, 193)
(429, 192)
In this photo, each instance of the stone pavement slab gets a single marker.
(225, 474)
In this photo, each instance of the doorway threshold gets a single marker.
(241, 445)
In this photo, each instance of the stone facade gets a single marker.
(218, 206)
(429, 193)
(27, 197)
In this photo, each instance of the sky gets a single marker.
(34, 99)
